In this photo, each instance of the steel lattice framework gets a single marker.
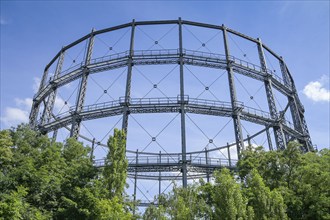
(151, 165)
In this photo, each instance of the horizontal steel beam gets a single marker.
(159, 105)
(155, 57)
(159, 22)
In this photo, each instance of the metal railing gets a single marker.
(111, 57)
(155, 53)
(206, 55)
(245, 64)
(149, 101)
(144, 102)
(256, 112)
(219, 104)
(163, 54)
(173, 160)
(72, 68)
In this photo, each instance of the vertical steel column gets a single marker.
(182, 111)
(307, 137)
(270, 144)
(92, 150)
(278, 131)
(128, 79)
(249, 140)
(285, 75)
(34, 114)
(36, 105)
(44, 79)
(296, 113)
(229, 158)
(82, 89)
(54, 136)
(48, 110)
(135, 178)
(232, 88)
(207, 163)
(293, 106)
(159, 178)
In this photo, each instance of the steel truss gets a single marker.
(189, 165)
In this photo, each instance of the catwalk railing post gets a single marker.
(128, 79)
(82, 89)
(36, 105)
(182, 111)
(235, 108)
(278, 130)
(48, 110)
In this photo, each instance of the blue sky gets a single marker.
(32, 32)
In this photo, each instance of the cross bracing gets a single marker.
(184, 165)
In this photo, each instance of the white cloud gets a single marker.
(317, 90)
(36, 84)
(20, 113)
(14, 116)
(26, 103)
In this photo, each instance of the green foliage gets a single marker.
(266, 204)
(155, 213)
(181, 204)
(186, 203)
(227, 197)
(115, 171)
(112, 209)
(44, 180)
(302, 180)
(6, 154)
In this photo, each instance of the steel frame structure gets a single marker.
(183, 161)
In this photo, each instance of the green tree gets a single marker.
(267, 164)
(112, 209)
(181, 204)
(155, 213)
(187, 203)
(266, 204)
(115, 170)
(302, 179)
(6, 154)
(229, 203)
(44, 180)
